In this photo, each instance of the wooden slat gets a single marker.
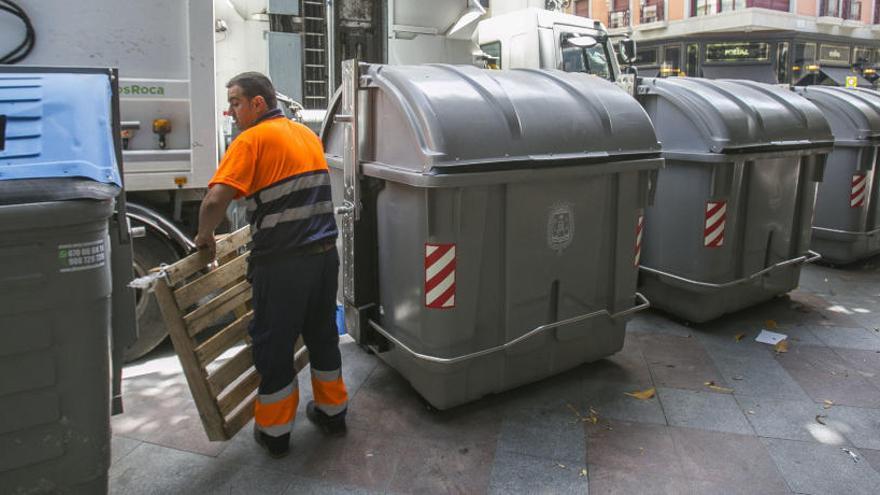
(229, 371)
(179, 271)
(240, 418)
(212, 348)
(241, 390)
(207, 314)
(229, 401)
(196, 375)
(226, 274)
(301, 360)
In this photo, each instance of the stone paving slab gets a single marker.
(703, 409)
(514, 473)
(794, 420)
(541, 433)
(610, 401)
(816, 468)
(764, 437)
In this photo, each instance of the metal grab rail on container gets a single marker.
(810, 257)
(642, 305)
(866, 233)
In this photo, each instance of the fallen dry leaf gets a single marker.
(593, 416)
(738, 377)
(828, 403)
(820, 418)
(583, 473)
(771, 324)
(642, 395)
(750, 411)
(739, 336)
(560, 466)
(781, 346)
(718, 388)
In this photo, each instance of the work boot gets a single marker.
(330, 425)
(277, 447)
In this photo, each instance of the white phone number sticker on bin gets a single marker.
(81, 256)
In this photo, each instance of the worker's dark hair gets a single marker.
(254, 84)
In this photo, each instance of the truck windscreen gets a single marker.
(592, 60)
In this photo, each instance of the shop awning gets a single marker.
(757, 72)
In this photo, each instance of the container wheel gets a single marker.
(149, 252)
(427, 405)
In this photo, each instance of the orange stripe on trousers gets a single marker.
(331, 393)
(276, 413)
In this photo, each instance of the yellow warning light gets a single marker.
(870, 71)
(180, 181)
(795, 67)
(162, 127)
(813, 68)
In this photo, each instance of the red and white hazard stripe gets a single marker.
(639, 227)
(713, 230)
(859, 191)
(440, 276)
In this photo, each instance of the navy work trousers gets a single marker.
(294, 295)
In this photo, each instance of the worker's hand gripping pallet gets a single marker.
(194, 296)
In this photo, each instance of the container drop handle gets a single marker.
(867, 233)
(642, 304)
(810, 257)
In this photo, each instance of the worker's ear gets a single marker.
(259, 101)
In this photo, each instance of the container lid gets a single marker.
(726, 116)
(57, 125)
(444, 118)
(853, 115)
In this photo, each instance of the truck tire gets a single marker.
(149, 252)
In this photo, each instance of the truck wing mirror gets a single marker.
(627, 50)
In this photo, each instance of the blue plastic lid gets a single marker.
(57, 125)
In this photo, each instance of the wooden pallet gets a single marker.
(195, 294)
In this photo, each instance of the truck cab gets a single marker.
(537, 38)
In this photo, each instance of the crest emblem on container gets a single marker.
(560, 227)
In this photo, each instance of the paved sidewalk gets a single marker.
(806, 421)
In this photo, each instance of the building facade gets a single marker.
(777, 41)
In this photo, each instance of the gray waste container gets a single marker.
(847, 223)
(730, 226)
(500, 210)
(58, 183)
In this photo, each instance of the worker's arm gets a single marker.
(211, 213)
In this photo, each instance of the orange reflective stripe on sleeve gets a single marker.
(329, 391)
(274, 413)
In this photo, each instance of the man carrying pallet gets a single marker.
(279, 167)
